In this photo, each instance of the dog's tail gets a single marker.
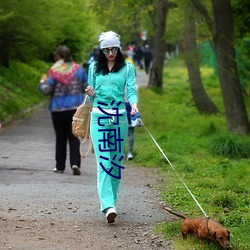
(175, 213)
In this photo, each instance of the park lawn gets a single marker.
(192, 143)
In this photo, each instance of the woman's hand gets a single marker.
(90, 91)
(43, 79)
(134, 109)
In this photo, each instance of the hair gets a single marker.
(102, 67)
(64, 53)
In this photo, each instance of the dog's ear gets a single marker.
(228, 237)
(214, 235)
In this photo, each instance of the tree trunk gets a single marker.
(235, 109)
(223, 38)
(201, 99)
(159, 47)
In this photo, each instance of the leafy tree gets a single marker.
(23, 33)
(221, 28)
(242, 34)
(201, 99)
(156, 72)
(126, 17)
(28, 33)
(175, 24)
(241, 18)
(78, 29)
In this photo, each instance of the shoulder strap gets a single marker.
(126, 73)
(91, 148)
(84, 140)
(92, 73)
(87, 137)
(126, 84)
(85, 99)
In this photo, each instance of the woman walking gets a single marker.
(108, 78)
(65, 84)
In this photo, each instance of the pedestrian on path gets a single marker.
(65, 84)
(131, 129)
(147, 54)
(108, 78)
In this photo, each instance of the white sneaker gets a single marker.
(58, 171)
(111, 214)
(129, 156)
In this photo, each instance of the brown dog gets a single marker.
(204, 229)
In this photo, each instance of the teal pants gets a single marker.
(109, 138)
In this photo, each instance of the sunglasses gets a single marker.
(106, 51)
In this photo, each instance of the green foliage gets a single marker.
(128, 18)
(176, 18)
(231, 146)
(224, 200)
(243, 60)
(175, 25)
(170, 230)
(29, 33)
(19, 87)
(241, 17)
(219, 183)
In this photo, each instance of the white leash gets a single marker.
(174, 170)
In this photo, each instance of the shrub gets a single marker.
(231, 146)
(223, 200)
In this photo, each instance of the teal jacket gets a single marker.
(111, 87)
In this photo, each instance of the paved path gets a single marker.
(26, 163)
(30, 190)
(141, 78)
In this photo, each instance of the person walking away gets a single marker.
(131, 129)
(130, 133)
(139, 53)
(147, 54)
(108, 78)
(65, 84)
(93, 55)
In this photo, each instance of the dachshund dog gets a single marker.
(204, 229)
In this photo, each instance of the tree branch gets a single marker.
(202, 9)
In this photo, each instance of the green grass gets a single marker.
(214, 164)
(19, 88)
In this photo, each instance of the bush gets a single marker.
(19, 88)
(231, 146)
(223, 200)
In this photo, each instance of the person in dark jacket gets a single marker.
(147, 54)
